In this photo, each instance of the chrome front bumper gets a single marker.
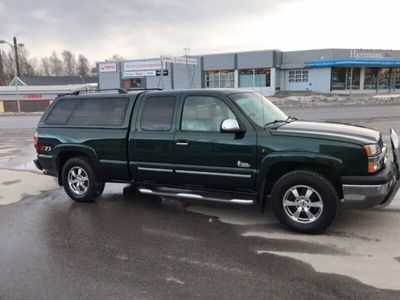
(362, 196)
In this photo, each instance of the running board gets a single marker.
(196, 195)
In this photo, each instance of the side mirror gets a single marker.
(230, 126)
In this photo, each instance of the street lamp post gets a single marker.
(16, 68)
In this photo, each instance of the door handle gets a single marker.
(183, 143)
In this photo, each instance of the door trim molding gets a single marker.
(155, 169)
(213, 173)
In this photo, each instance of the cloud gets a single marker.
(123, 26)
(148, 28)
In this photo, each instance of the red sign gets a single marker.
(33, 97)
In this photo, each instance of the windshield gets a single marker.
(259, 109)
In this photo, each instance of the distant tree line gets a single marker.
(64, 64)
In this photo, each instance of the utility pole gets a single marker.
(2, 81)
(187, 53)
(16, 56)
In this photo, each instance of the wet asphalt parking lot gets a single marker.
(130, 246)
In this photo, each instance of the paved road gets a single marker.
(128, 246)
(345, 112)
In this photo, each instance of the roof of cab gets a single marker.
(121, 93)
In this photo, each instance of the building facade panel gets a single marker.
(255, 59)
(109, 75)
(217, 62)
(266, 71)
(187, 76)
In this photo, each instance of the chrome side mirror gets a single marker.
(230, 126)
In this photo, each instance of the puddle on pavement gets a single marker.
(363, 244)
(16, 185)
(360, 244)
(22, 160)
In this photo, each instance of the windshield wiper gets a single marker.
(287, 120)
(274, 122)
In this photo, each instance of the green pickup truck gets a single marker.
(223, 145)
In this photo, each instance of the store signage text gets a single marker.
(32, 96)
(107, 67)
(140, 73)
(365, 54)
(143, 65)
(179, 59)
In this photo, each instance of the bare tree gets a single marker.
(69, 63)
(45, 66)
(56, 65)
(8, 64)
(25, 63)
(3, 76)
(83, 66)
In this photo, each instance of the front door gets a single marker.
(151, 141)
(207, 158)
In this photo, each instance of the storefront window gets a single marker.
(396, 77)
(345, 78)
(220, 79)
(298, 76)
(370, 78)
(338, 78)
(246, 78)
(353, 78)
(134, 83)
(384, 78)
(255, 78)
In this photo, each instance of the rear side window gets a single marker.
(61, 112)
(89, 112)
(158, 113)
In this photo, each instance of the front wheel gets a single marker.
(80, 181)
(304, 201)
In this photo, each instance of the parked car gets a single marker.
(223, 145)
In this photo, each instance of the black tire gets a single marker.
(293, 188)
(76, 191)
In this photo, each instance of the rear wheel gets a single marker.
(304, 201)
(80, 181)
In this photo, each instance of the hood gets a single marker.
(332, 130)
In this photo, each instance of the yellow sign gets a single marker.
(1, 107)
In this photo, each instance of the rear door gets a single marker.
(151, 140)
(205, 157)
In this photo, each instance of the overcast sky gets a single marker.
(148, 28)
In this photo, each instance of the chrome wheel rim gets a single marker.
(78, 180)
(303, 204)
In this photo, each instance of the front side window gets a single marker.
(203, 113)
(157, 113)
(220, 79)
(258, 108)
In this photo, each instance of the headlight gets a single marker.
(372, 149)
(376, 157)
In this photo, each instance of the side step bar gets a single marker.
(195, 195)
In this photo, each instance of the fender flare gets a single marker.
(269, 161)
(86, 151)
